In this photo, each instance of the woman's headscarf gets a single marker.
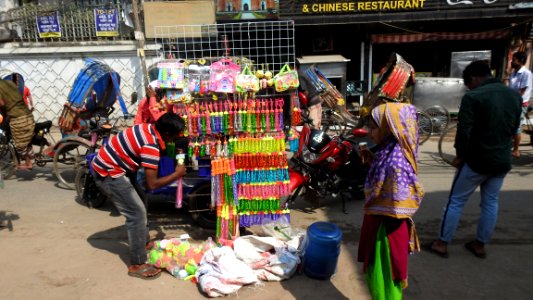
(9, 91)
(392, 187)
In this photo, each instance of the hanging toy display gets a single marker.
(296, 110)
(224, 197)
(234, 117)
(262, 178)
(237, 135)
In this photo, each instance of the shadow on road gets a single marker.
(319, 289)
(6, 220)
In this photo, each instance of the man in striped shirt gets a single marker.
(123, 155)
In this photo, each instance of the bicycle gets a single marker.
(440, 118)
(425, 126)
(446, 144)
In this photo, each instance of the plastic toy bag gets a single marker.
(286, 79)
(222, 76)
(171, 75)
(198, 78)
(178, 96)
(246, 81)
(178, 254)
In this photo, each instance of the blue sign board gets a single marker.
(106, 21)
(48, 25)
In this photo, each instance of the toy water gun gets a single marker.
(180, 158)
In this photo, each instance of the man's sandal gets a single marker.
(144, 272)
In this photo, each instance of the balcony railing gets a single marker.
(77, 23)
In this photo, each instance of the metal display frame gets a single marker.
(263, 45)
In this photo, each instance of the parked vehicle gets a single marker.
(94, 92)
(329, 166)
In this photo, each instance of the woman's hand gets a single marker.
(365, 154)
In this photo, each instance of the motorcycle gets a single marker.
(327, 165)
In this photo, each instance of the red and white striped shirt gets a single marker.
(129, 150)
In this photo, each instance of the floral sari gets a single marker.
(392, 195)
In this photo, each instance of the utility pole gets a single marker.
(139, 37)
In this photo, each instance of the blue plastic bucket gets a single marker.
(322, 250)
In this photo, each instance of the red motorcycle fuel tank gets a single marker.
(296, 179)
(315, 140)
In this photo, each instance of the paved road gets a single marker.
(55, 248)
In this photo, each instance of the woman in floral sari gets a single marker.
(392, 195)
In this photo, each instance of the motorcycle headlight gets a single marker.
(307, 156)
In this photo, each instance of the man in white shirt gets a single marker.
(521, 80)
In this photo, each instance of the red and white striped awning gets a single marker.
(437, 36)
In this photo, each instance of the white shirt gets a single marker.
(522, 79)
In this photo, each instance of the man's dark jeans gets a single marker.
(131, 206)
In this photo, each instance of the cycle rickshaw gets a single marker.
(93, 94)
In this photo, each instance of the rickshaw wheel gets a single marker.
(200, 199)
(67, 160)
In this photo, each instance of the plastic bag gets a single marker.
(286, 79)
(270, 258)
(221, 273)
(198, 78)
(246, 81)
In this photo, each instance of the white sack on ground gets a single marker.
(221, 273)
(268, 256)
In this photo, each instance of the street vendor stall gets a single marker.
(231, 86)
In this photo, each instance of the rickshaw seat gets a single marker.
(46, 125)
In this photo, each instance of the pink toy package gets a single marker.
(222, 76)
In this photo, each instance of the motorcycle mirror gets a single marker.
(133, 98)
(360, 132)
(303, 99)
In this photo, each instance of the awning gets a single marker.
(438, 36)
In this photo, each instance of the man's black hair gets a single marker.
(159, 94)
(521, 57)
(170, 124)
(478, 68)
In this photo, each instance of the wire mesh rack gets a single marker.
(267, 45)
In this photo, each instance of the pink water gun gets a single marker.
(180, 158)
